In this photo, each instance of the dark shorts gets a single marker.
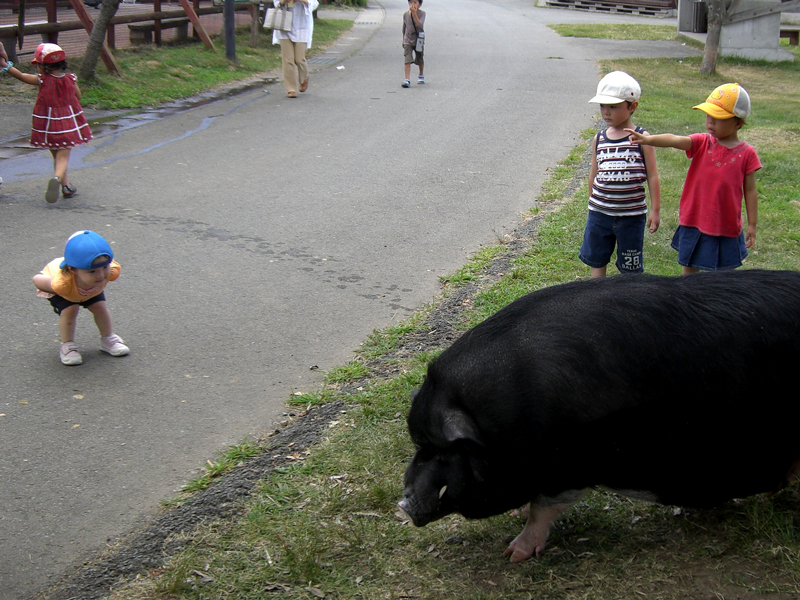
(411, 56)
(697, 250)
(603, 232)
(58, 303)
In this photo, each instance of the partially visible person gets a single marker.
(620, 168)
(295, 43)
(58, 120)
(78, 279)
(710, 233)
(413, 25)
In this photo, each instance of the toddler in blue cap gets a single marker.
(78, 279)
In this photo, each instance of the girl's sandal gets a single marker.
(68, 191)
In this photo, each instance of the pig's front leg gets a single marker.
(533, 538)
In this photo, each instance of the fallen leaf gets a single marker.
(572, 585)
(203, 577)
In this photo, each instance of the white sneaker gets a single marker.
(113, 345)
(69, 354)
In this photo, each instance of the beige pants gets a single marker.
(295, 65)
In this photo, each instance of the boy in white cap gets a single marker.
(710, 235)
(620, 168)
(78, 279)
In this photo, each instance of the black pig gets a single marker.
(679, 390)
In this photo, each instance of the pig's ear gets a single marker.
(458, 426)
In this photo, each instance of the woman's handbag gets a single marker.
(420, 42)
(278, 18)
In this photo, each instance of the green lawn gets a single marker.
(155, 75)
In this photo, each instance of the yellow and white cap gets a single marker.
(727, 101)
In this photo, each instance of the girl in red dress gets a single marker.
(58, 119)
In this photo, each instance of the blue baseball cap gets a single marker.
(83, 248)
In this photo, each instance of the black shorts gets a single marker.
(58, 303)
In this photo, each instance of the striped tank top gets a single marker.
(618, 189)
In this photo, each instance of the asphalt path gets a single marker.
(262, 240)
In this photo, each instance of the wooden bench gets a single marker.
(142, 33)
(792, 32)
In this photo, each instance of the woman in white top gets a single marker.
(294, 44)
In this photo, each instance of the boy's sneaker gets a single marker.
(113, 345)
(69, 354)
(421, 79)
(53, 188)
(406, 83)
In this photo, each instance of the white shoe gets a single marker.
(69, 354)
(113, 345)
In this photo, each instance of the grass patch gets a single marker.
(352, 371)
(327, 526)
(379, 343)
(156, 75)
(470, 271)
(230, 458)
(617, 31)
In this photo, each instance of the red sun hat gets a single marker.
(49, 54)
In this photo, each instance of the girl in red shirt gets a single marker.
(58, 119)
(711, 232)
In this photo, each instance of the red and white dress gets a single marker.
(58, 119)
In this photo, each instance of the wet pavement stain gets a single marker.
(305, 258)
(22, 161)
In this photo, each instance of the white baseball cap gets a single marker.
(617, 87)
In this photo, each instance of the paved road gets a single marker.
(259, 237)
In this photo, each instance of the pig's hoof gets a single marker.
(520, 550)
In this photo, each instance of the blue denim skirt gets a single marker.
(697, 250)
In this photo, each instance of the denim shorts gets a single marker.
(603, 232)
(58, 303)
(697, 250)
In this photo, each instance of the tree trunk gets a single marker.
(717, 11)
(107, 11)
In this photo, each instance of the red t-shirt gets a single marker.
(712, 194)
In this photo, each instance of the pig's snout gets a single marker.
(405, 506)
(419, 517)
